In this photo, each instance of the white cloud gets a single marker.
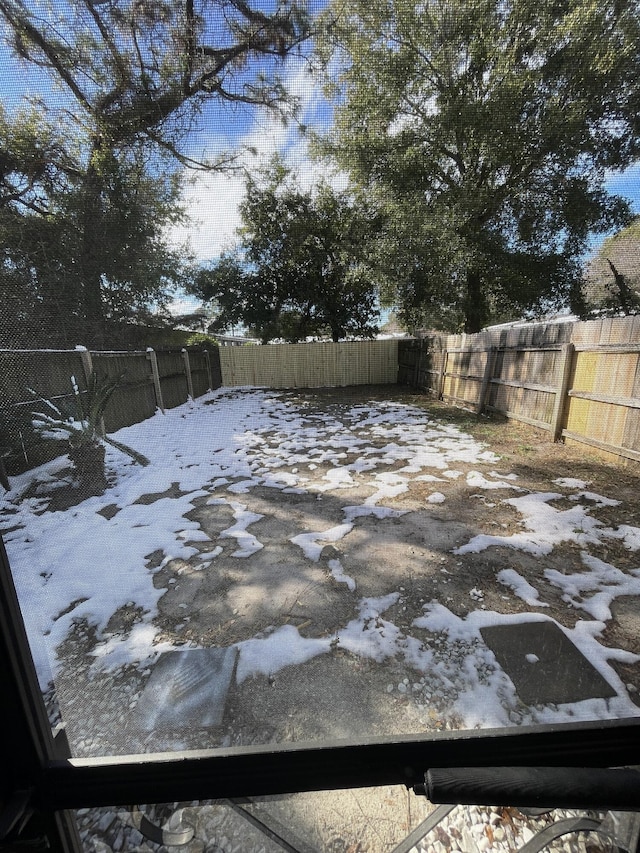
(183, 305)
(212, 204)
(212, 199)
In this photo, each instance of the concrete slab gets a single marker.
(544, 664)
(187, 689)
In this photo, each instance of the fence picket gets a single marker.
(564, 375)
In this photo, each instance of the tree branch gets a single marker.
(190, 47)
(191, 162)
(106, 37)
(21, 26)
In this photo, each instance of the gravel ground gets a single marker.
(218, 828)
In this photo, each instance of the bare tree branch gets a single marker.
(22, 27)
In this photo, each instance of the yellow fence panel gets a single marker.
(314, 365)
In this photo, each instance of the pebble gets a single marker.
(467, 840)
(459, 831)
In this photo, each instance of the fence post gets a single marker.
(486, 379)
(207, 361)
(155, 375)
(566, 363)
(87, 367)
(416, 379)
(87, 362)
(441, 377)
(187, 370)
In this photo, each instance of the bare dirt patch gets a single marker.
(341, 693)
(252, 576)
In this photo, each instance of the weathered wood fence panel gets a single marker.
(173, 378)
(318, 365)
(201, 379)
(421, 363)
(604, 400)
(523, 384)
(150, 380)
(134, 400)
(463, 375)
(47, 373)
(577, 380)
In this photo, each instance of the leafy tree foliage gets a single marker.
(612, 279)
(43, 232)
(94, 177)
(300, 269)
(486, 127)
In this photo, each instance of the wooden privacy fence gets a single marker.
(579, 381)
(312, 365)
(155, 379)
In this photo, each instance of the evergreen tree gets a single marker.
(131, 78)
(486, 127)
(300, 268)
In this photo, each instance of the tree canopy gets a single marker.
(299, 269)
(43, 231)
(93, 170)
(612, 276)
(485, 126)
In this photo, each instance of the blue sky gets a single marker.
(627, 184)
(212, 200)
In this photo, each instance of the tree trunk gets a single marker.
(90, 265)
(475, 309)
(625, 294)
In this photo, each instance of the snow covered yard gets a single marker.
(350, 545)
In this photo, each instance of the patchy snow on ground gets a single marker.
(85, 563)
(545, 526)
(521, 587)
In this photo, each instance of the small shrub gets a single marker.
(83, 430)
(199, 339)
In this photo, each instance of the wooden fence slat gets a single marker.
(516, 416)
(564, 377)
(155, 374)
(609, 348)
(187, 370)
(625, 452)
(527, 386)
(628, 402)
